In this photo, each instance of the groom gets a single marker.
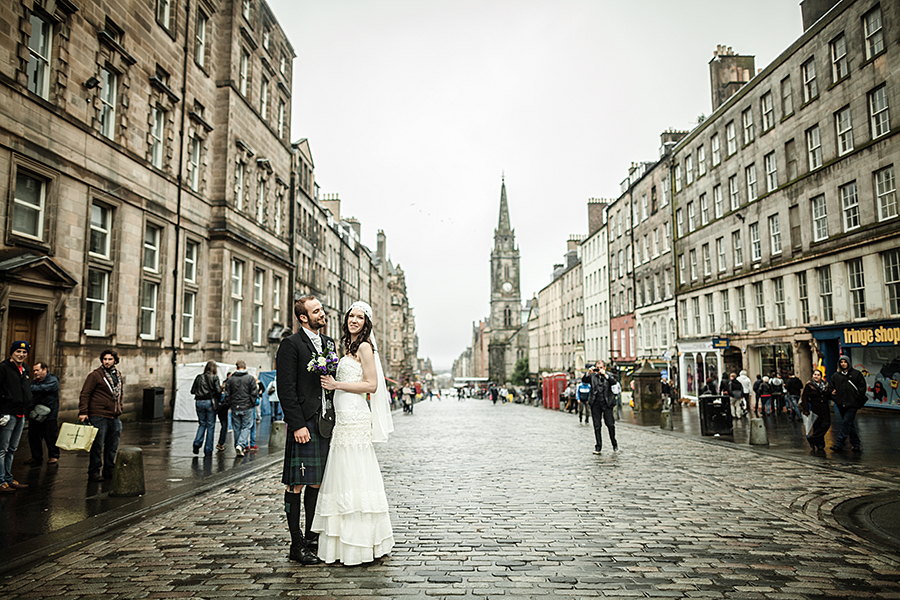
(305, 451)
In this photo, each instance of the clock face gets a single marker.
(507, 287)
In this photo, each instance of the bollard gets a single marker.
(128, 476)
(665, 420)
(277, 435)
(758, 435)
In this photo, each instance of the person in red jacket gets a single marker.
(101, 404)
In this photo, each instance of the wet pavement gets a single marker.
(490, 501)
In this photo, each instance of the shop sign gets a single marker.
(876, 336)
(720, 342)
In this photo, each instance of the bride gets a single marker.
(351, 516)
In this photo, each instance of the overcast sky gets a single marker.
(414, 109)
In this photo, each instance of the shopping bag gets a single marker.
(76, 436)
(808, 421)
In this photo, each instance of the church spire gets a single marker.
(503, 225)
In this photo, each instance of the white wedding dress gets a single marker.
(352, 517)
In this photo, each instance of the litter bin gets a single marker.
(154, 404)
(715, 415)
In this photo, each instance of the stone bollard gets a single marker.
(277, 435)
(128, 476)
(758, 435)
(665, 420)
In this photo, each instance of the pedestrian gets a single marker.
(757, 401)
(748, 386)
(776, 385)
(504, 393)
(409, 398)
(765, 395)
(736, 391)
(273, 401)
(604, 389)
(15, 398)
(206, 391)
(305, 452)
(584, 394)
(814, 399)
(848, 390)
(709, 388)
(222, 413)
(240, 395)
(793, 388)
(42, 422)
(725, 384)
(101, 403)
(495, 393)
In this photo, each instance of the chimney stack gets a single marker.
(728, 72)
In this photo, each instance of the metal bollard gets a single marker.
(665, 420)
(758, 434)
(277, 435)
(128, 476)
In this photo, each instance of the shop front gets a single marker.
(697, 362)
(874, 350)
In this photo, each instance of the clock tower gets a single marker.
(506, 302)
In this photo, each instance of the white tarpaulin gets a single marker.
(184, 376)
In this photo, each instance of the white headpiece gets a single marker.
(367, 310)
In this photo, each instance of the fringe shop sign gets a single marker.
(872, 335)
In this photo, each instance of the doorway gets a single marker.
(23, 325)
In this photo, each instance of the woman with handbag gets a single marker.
(206, 390)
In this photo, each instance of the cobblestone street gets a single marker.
(507, 501)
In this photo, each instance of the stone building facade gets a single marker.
(595, 270)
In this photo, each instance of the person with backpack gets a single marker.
(776, 384)
(584, 394)
(206, 391)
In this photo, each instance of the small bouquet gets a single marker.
(324, 363)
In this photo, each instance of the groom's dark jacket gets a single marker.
(299, 391)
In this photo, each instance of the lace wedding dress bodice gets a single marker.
(353, 423)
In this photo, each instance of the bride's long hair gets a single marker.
(352, 347)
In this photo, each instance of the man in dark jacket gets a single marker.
(602, 402)
(101, 402)
(848, 390)
(42, 429)
(240, 396)
(794, 388)
(15, 398)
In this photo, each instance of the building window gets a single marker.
(820, 218)
(775, 235)
(239, 187)
(149, 297)
(747, 121)
(710, 314)
(839, 67)
(790, 157)
(245, 9)
(704, 210)
(720, 253)
(717, 201)
(738, 249)
(693, 258)
(873, 32)
(878, 111)
(760, 305)
(707, 261)
(810, 89)
(771, 172)
(656, 243)
(716, 150)
(778, 286)
(677, 178)
(188, 310)
(164, 12)
(730, 138)
(679, 222)
(886, 193)
(157, 137)
(857, 281)
(681, 278)
(667, 240)
(814, 147)
(260, 201)
(850, 205)
(664, 197)
(39, 52)
(689, 168)
(108, 84)
(787, 98)
(244, 73)
(276, 300)
(151, 248)
(281, 118)
(825, 294)
(96, 294)
(803, 295)
(258, 280)
(190, 262)
(267, 34)
(100, 230)
(283, 65)
(750, 172)
(683, 313)
(768, 111)
(734, 193)
(844, 126)
(29, 203)
(194, 164)
(668, 279)
(701, 161)
(237, 299)
(891, 260)
(645, 207)
(726, 311)
(200, 39)
(695, 306)
(755, 244)
(264, 99)
(742, 308)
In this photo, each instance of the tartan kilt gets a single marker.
(304, 464)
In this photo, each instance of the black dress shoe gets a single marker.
(312, 542)
(95, 477)
(303, 555)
